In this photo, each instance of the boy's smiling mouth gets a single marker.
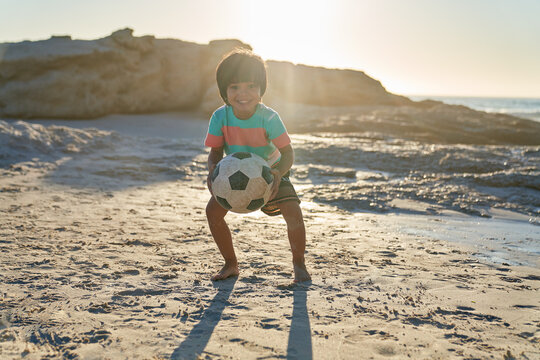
(243, 102)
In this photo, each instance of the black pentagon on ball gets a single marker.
(238, 181)
(241, 155)
(215, 173)
(267, 175)
(255, 204)
(224, 203)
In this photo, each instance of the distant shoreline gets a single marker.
(524, 107)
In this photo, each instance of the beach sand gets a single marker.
(96, 267)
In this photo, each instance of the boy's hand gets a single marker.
(275, 184)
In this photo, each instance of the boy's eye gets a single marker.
(252, 86)
(233, 87)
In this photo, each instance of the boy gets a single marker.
(245, 124)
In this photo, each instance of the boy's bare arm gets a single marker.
(216, 154)
(285, 163)
(287, 159)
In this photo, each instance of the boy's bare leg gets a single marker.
(222, 236)
(297, 238)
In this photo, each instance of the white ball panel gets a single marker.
(256, 188)
(228, 166)
(221, 186)
(238, 200)
(251, 168)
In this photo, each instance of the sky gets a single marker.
(414, 47)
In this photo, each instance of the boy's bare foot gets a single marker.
(301, 273)
(228, 270)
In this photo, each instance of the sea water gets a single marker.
(527, 108)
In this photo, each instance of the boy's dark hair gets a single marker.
(240, 65)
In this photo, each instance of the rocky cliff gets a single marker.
(65, 78)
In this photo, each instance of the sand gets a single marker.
(95, 268)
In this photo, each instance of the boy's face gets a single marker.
(244, 98)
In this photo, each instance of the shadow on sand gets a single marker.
(196, 341)
(299, 343)
(299, 346)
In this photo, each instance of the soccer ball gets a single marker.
(242, 182)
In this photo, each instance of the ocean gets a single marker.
(527, 108)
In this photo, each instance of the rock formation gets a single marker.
(65, 78)
(428, 122)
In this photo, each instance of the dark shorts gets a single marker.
(285, 193)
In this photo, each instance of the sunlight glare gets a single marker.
(290, 30)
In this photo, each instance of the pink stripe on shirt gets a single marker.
(245, 137)
(214, 141)
(282, 140)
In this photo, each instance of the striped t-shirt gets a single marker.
(262, 134)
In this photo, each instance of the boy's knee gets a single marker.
(292, 215)
(295, 224)
(210, 211)
(214, 212)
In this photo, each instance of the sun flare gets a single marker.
(283, 30)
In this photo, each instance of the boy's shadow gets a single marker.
(299, 346)
(197, 339)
